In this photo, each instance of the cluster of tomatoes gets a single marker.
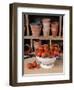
(33, 65)
(46, 51)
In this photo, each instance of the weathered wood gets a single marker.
(44, 38)
(27, 23)
(60, 25)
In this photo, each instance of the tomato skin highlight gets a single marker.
(43, 54)
(39, 54)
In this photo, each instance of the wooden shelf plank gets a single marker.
(60, 25)
(27, 24)
(44, 38)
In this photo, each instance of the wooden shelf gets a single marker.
(44, 38)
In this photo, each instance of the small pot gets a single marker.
(46, 26)
(36, 29)
(54, 28)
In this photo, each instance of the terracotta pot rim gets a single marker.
(46, 20)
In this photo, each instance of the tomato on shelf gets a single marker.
(33, 65)
(30, 66)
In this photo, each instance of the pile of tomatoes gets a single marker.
(33, 65)
(46, 51)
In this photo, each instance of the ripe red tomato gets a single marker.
(46, 48)
(36, 51)
(44, 51)
(56, 53)
(41, 48)
(56, 48)
(30, 66)
(45, 54)
(51, 53)
(34, 64)
(39, 54)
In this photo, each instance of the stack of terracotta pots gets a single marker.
(54, 28)
(36, 29)
(46, 26)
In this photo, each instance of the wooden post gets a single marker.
(50, 42)
(31, 43)
(60, 25)
(27, 24)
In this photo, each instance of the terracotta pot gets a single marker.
(46, 26)
(54, 28)
(36, 29)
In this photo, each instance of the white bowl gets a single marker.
(46, 62)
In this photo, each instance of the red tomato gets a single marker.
(36, 51)
(45, 54)
(39, 54)
(41, 48)
(51, 53)
(56, 53)
(34, 64)
(29, 65)
(46, 48)
(56, 48)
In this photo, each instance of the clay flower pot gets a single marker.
(46, 26)
(54, 28)
(36, 29)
